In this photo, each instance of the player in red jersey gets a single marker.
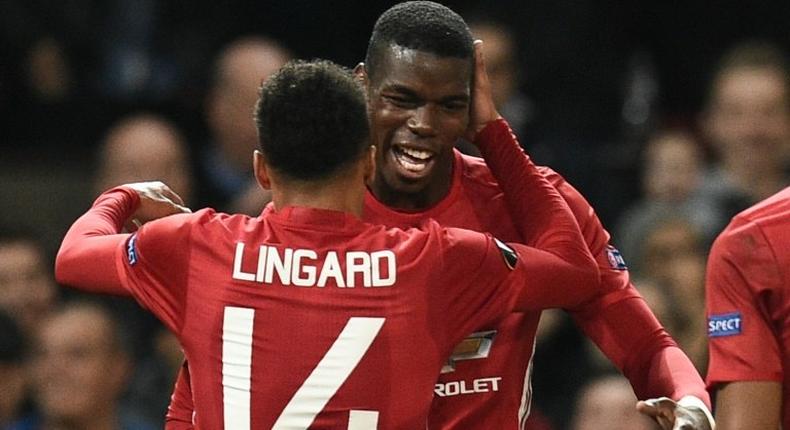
(419, 92)
(307, 317)
(748, 328)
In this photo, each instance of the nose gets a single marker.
(423, 121)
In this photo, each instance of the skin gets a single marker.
(240, 69)
(501, 64)
(422, 101)
(79, 372)
(749, 405)
(607, 403)
(27, 290)
(748, 123)
(144, 147)
(341, 192)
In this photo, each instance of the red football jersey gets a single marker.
(486, 384)
(746, 298)
(308, 318)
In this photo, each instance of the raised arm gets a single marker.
(552, 227)
(87, 256)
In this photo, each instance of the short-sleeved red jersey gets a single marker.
(748, 310)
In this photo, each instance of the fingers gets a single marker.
(646, 408)
(170, 194)
(661, 410)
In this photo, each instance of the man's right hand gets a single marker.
(157, 200)
(483, 109)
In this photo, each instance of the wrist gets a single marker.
(490, 131)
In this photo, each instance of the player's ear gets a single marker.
(261, 170)
(362, 74)
(370, 164)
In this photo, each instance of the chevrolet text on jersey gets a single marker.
(303, 267)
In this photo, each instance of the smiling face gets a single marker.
(418, 104)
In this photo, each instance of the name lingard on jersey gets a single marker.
(303, 267)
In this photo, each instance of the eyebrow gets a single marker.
(410, 93)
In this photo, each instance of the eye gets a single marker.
(401, 101)
(455, 106)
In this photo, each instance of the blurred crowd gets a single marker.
(99, 93)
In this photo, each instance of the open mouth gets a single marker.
(413, 162)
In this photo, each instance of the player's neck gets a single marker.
(343, 194)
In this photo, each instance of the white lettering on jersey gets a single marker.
(303, 268)
(455, 388)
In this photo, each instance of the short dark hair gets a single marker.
(312, 119)
(752, 54)
(421, 25)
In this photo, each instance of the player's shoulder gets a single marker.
(199, 221)
(432, 236)
(474, 171)
(765, 223)
(771, 210)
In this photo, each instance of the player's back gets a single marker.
(307, 316)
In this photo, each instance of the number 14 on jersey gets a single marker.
(314, 393)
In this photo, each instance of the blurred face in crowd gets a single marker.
(240, 71)
(499, 52)
(12, 370)
(142, 149)
(419, 107)
(673, 254)
(79, 368)
(749, 119)
(27, 289)
(672, 167)
(609, 403)
(13, 393)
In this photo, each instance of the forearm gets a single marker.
(86, 259)
(625, 329)
(543, 218)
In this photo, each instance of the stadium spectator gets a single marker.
(144, 147)
(501, 52)
(14, 404)
(224, 166)
(671, 180)
(607, 402)
(27, 287)
(746, 289)
(80, 370)
(747, 121)
(673, 254)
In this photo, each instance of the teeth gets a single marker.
(416, 153)
(408, 165)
